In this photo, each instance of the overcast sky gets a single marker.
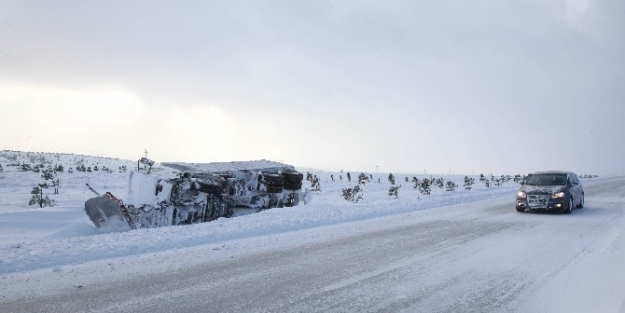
(409, 86)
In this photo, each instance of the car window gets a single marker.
(547, 180)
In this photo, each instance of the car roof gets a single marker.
(552, 172)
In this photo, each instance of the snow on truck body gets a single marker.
(187, 193)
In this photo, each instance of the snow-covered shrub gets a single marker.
(440, 183)
(391, 178)
(393, 191)
(468, 182)
(424, 187)
(363, 178)
(38, 198)
(451, 186)
(352, 194)
(48, 174)
(415, 182)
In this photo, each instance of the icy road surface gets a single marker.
(474, 257)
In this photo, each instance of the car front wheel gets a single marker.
(569, 208)
(581, 202)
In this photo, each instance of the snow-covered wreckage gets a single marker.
(188, 193)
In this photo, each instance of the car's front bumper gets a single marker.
(548, 204)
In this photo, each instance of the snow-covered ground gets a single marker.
(56, 250)
(26, 227)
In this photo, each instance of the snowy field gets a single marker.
(462, 250)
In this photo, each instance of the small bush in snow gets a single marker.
(393, 191)
(440, 183)
(315, 185)
(38, 198)
(352, 194)
(415, 182)
(451, 186)
(468, 182)
(47, 174)
(362, 179)
(424, 187)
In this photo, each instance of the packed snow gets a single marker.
(60, 235)
(42, 248)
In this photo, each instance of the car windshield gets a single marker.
(547, 180)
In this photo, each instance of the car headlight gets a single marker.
(558, 195)
(520, 194)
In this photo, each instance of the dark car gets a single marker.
(553, 191)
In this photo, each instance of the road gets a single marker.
(477, 257)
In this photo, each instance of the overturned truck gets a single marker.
(188, 193)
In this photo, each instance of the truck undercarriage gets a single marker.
(188, 193)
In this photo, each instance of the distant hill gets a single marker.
(8, 157)
(22, 171)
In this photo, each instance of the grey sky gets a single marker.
(471, 86)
